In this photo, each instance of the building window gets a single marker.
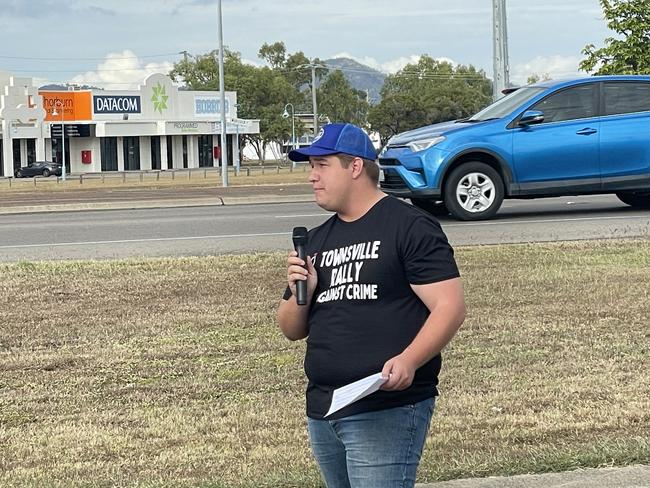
(184, 151)
(17, 158)
(131, 146)
(31, 150)
(155, 152)
(108, 153)
(57, 155)
(170, 152)
(205, 151)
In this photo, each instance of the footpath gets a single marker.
(131, 198)
(626, 477)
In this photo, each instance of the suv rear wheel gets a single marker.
(473, 191)
(639, 199)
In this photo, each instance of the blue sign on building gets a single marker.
(116, 104)
(208, 106)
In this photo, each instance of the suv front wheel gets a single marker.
(473, 191)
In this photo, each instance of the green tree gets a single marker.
(339, 102)
(426, 93)
(261, 93)
(630, 52)
(536, 78)
(295, 68)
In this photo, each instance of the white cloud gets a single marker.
(556, 67)
(367, 60)
(391, 66)
(394, 65)
(121, 71)
(252, 62)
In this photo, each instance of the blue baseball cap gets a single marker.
(337, 138)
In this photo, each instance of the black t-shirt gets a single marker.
(364, 311)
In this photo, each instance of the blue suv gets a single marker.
(577, 137)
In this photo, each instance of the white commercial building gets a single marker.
(158, 126)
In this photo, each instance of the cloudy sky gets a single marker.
(116, 43)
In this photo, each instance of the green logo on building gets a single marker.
(159, 98)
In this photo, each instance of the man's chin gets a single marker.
(322, 203)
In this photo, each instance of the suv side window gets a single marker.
(573, 103)
(626, 97)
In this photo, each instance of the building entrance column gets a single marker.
(7, 149)
(40, 149)
(163, 153)
(120, 154)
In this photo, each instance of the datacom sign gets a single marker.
(209, 106)
(117, 104)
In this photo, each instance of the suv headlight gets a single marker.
(423, 144)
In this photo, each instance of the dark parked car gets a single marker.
(39, 168)
(578, 137)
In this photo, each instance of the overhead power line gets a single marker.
(118, 70)
(88, 59)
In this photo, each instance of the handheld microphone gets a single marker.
(300, 245)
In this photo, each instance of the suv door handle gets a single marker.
(586, 131)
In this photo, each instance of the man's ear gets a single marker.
(357, 167)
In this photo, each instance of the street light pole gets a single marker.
(224, 138)
(313, 97)
(60, 105)
(293, 125)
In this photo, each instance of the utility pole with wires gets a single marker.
(500, 48)
(313, 67)
(222, 91)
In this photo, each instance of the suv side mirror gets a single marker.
(531, 117)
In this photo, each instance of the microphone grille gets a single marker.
(300, 232)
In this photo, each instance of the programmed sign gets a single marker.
(209, 106)
(116, 104)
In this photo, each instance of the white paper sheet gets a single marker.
(352, 392)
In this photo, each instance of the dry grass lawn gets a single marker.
(172, 373)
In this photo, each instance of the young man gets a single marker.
(383, 294)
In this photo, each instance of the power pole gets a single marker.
(222, 91)
(500, 48)
(313, 67)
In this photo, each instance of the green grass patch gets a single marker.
(172, 372)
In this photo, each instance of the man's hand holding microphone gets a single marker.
(301, 273)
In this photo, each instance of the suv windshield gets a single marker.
(507, 104)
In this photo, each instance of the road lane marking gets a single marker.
(157, 239)
(303, 215)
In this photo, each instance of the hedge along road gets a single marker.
(208, 230)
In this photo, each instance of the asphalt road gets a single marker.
(208, 230)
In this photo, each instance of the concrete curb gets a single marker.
(148, 204)
(624, 477)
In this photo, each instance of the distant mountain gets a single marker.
(360, 76)
(59, 87)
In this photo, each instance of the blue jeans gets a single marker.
(372, 450)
